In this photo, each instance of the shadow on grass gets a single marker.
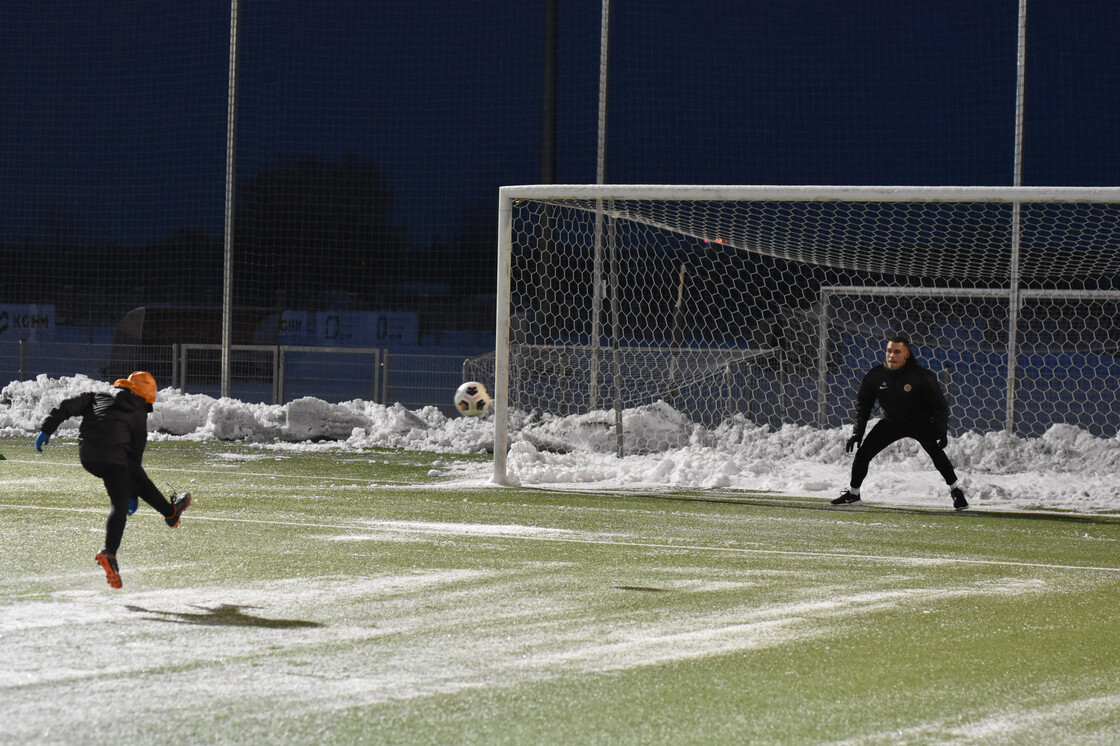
(226, 615)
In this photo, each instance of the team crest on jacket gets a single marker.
(906, 388)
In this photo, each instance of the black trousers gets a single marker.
(124, 482)
(885, 433)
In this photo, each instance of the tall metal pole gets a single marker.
(597, 288)
(604, 60)
(231, 185)
(1014, 298)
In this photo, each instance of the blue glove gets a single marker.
(133, 504)
(41, 440)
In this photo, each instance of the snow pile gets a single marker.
(1066, 469)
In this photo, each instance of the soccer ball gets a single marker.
(472, 400)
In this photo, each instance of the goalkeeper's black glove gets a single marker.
(853, 442)
(942, 440)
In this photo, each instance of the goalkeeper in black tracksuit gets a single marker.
(912, 406)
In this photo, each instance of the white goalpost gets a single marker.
(764, 304)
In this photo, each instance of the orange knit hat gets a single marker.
(141, 383)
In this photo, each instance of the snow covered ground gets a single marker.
(1066, 469)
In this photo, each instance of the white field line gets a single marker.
(1042, 724)
(548, 535)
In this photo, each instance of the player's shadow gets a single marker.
(226, 615)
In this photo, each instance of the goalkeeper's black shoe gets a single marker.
(847, 498)
(108, 563)
(959, 503)
(179, 503)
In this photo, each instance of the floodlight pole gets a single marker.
(602, 242)
(231, 186)
(600, 178)
(1014, 300)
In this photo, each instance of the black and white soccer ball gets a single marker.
(472, 399)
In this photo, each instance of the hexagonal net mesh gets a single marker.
(717, 303)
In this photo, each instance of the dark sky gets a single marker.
(113, 113)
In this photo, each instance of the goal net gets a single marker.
(768, 304)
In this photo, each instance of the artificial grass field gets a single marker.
(352, 598)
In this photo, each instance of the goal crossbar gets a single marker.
(820, 193)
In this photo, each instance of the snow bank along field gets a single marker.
(1067, 469)
(347, 574)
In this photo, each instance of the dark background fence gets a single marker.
(370, 140)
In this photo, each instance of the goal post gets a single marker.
(500, 388)
(639, 309)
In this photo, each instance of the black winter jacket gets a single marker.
(909, 395)
(114, 427)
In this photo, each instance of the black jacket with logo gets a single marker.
(909, 395)
(114, 427)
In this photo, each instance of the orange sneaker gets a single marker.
(108, 563)
(179, 503)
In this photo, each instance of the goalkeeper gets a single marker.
(111, 442)
(912, 406)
